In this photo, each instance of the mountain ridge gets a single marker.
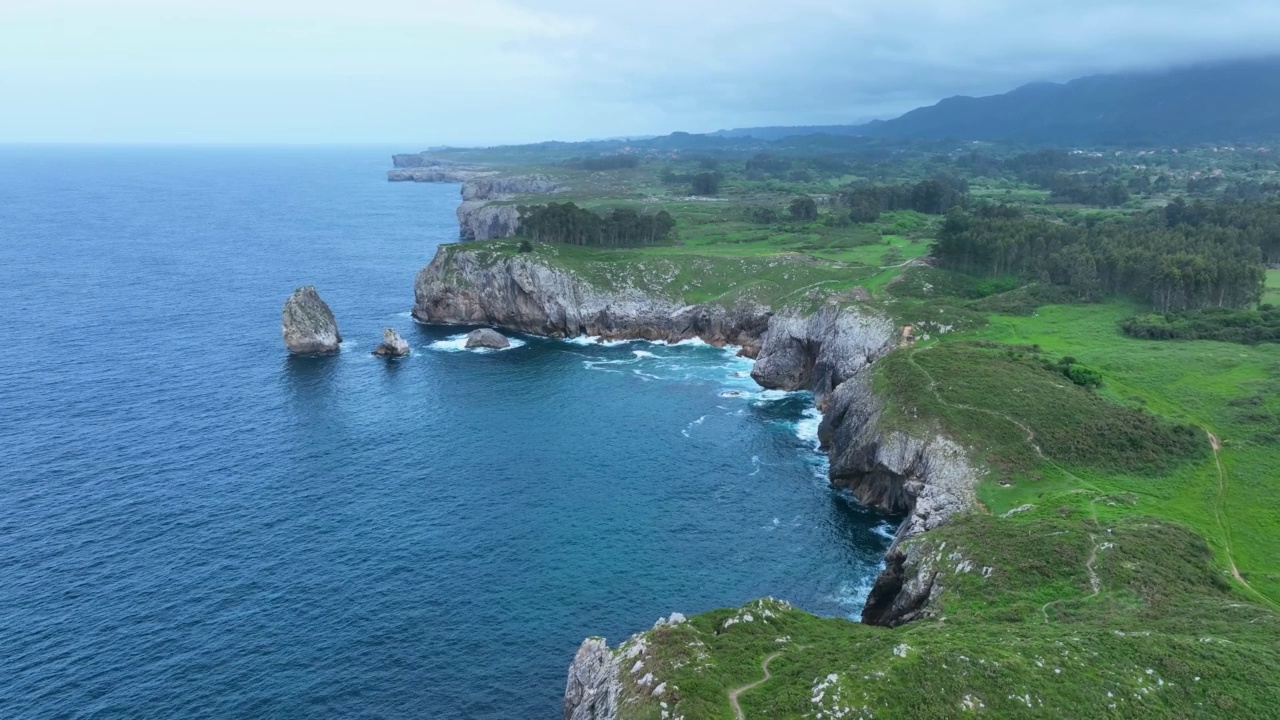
(1225, 101)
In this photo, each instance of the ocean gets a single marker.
(194, 524)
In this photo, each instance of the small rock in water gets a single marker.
(392, 345)
(486, 338)
(308, 325)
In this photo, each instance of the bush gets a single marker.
(1239, 326)
(804, 209)
(525, 246)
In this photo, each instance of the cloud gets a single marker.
(441, 71)
(814, 62)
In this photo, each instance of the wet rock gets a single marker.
(392, 345)
(486, 338)
(308, 325)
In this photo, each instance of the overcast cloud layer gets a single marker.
(428, 72)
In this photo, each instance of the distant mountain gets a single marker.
(1218, 102)
(779, 132)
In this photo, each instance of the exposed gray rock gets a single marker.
(906, 588)
(434, 174)
(408, 160)
(818, 352)
(518, 293)
(929, 476)
(484, 220)
(495, 187)
(594, 684)
(486, 338)
(392, 344)
(925, 475)
(308, 325)
(486, 211)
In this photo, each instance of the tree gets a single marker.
(706, 183)
(804, 209)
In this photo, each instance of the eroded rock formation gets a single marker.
(594, 683)
(486, 338)
(308, 325)
(392, 344)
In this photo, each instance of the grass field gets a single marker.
(1272, 294)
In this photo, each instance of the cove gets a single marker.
(195, 525)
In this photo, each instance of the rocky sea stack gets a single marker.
(308, 325)
(486, 338)
(392, 345)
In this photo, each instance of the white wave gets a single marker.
(646, 376)
(885, 530)
(594, 341)
(807, 427)
(643, 354)
(853, 594)
(775, 395)
(687, 342)
(458, 343)
(687, 428)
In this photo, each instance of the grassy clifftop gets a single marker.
(1048, 613)
(683, 273)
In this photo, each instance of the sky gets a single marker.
(418, 73)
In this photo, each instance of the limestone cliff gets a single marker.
(435, 174)
(483, 220)
(519, 293)
(488, 188)
(488, 210)
(818, 352)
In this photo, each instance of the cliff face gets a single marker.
(494, 187)
(819, 352)
(925, 475)
(518, 293)
(481, 220)
(594, 682)
(435, 174)
(485, 212)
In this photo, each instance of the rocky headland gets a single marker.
(488, 208)
(308, 325)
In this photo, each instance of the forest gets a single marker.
(567, 223)
(934, 196)
(1181, 257)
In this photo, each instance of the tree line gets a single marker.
(567, 223)
(605, 162)
(933, 197)
(1177, 258)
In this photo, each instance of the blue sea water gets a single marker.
(195, 525)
